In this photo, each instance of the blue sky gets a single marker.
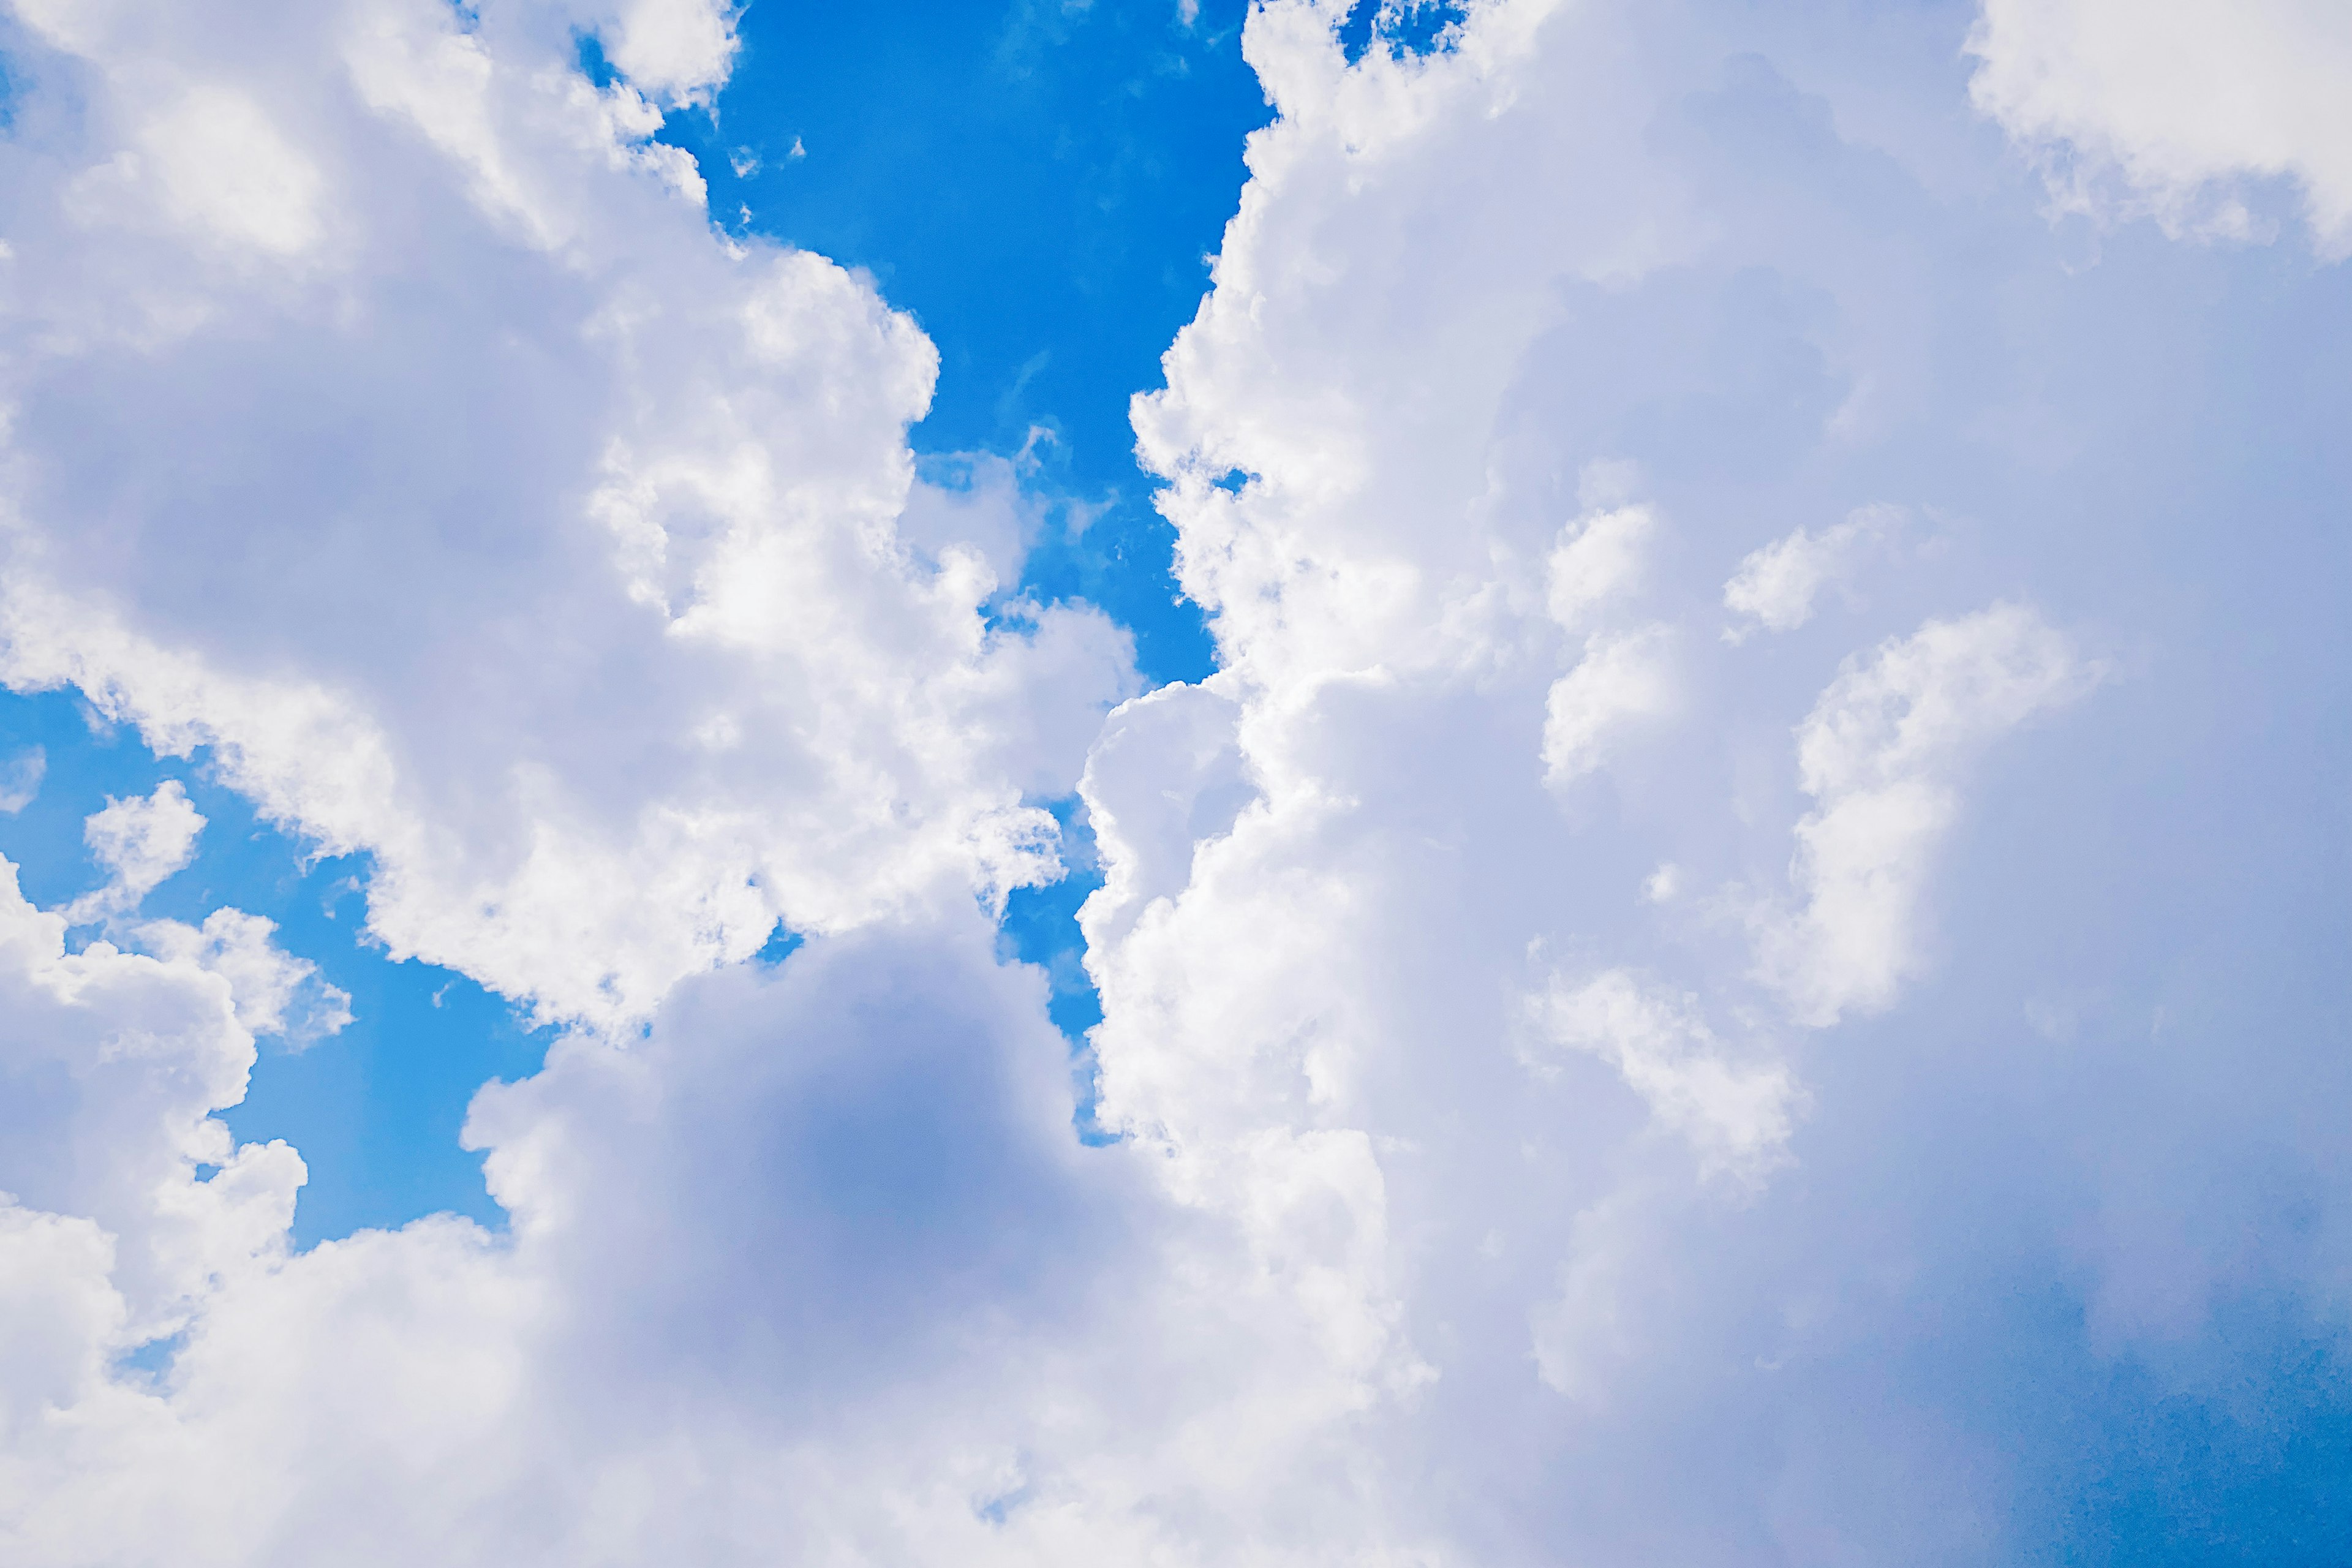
(1064, 782)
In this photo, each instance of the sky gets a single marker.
(1523, 782)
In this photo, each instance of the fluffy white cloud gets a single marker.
(1345, 911)
(114, 1063)
(139, 842)
(275, 993)
(1511, 1173)
(1626, 671)
(388, 417)
(1457, 521)
(2180, 101)
(681, 49)
(1776, 584)
(919, 1335)
(1620, 679)
(142, 841)
(1598, 561)
(20, 779)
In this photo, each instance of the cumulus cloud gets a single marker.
(639, 662)
(1598, 561)
(582, 577)
(1620, 680)
(1776, 585)
(1413, 647)
(1625, 672)
(915, 1338)
(275, 994)
(144, 840)
(2178, 104)
(680, 50)
(212, 162)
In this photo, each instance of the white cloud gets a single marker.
(275, 994)
(1599, 560)
(1621, 680)
(1776, 584)
(2180, 101)
(1882, 754)
(20, 779)
(1324, 972)
(116, 1062)
(655, 635)
(680, 50)
(1415, 363)
(144, 840)
(1603, 1319)
(914, 1337)
(638, 662)
(138, 842)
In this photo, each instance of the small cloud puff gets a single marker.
(1776, 585)
(139, 842)
(1623, 678)
(20, 779)
(1599, 558)
(1626, 673)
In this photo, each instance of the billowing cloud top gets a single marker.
(388, 417)
(1740, 964)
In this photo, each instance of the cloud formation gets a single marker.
(567, 580)
(1776, 584)
(1578, 1088)
(138, 842)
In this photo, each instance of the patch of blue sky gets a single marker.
(376, 1109)
(1041, 186)
(1402, 26)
